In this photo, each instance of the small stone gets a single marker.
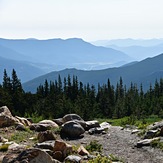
(82, 151)
(73, 159)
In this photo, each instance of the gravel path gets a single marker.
(121, 143)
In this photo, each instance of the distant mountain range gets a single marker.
(70, 53)
(32, 58)
(138, 49)
(141, 52)
(145, 72)
(128, 42)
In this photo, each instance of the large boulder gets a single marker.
(45, 136)
(23, 121)
(58, 155)
(71, 117)
(72, 129)
(43, 125)
(46, 145)
(29, 156)
(58, 121)
(6, 118)
(62, 147)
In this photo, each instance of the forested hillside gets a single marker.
(144, 72)
(57, 98)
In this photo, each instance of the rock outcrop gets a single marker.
(6, 118)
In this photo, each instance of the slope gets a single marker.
(25, 71)
(140, 72)
(141, 52)
(69, 53)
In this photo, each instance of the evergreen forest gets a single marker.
(54, 99)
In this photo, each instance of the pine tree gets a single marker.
(15, 82)
(6, 82)
(46, 88)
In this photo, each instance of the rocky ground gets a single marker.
(122, 143)
(119, 142)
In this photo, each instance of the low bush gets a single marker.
(94, 146)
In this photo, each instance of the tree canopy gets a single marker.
(56, 98)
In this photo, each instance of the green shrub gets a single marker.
(4, 147)
(114, 158)
(133, 120)
(105, 159)
(100, 159)
(35, 117)
(157, 144)
(94, 146)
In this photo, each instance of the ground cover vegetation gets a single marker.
(56, 98)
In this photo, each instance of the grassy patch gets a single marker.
(94, 146)
(100, 159)
(105, 159)
(157, 144)
(35, 117)
(132, 120)
(20, 136)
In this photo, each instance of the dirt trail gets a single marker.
(121, 143)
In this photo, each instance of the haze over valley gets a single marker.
(92, 64)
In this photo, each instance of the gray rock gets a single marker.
(23, 121)
(58, 121)
(3, 140)
(40, 127)
(82, 123)
(20, 127)
(46, 145)
(96, 130)
(145, 142)
(151, 134)
(105, 125)
(73, 159)
(155, 125)
(72, 129)
(15, 146)
(92, 124)
(29, 156)
(135, 131)
(43, 125)
(71, 117)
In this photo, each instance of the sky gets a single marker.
(87, 19)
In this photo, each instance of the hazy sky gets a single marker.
(87, 19)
